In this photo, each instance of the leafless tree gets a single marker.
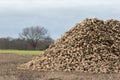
(33, 35)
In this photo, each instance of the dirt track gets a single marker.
(8, 71)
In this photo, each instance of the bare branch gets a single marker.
(34, 34)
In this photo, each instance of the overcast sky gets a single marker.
(57, 16)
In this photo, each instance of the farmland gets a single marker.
(21, 52)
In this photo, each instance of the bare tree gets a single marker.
(33, 35)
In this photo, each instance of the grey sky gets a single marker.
(56, 15)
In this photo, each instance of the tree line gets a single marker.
(31, 38)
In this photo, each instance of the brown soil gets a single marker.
(8, 71)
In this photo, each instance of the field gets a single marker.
(22, 52)
(10, 59)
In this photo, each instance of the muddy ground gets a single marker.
(8, 71)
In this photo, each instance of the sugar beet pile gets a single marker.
(90, 46)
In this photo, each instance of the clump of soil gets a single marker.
(90, 46)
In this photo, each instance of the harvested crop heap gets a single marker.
(91, 46)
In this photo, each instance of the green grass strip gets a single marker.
(22, 52)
